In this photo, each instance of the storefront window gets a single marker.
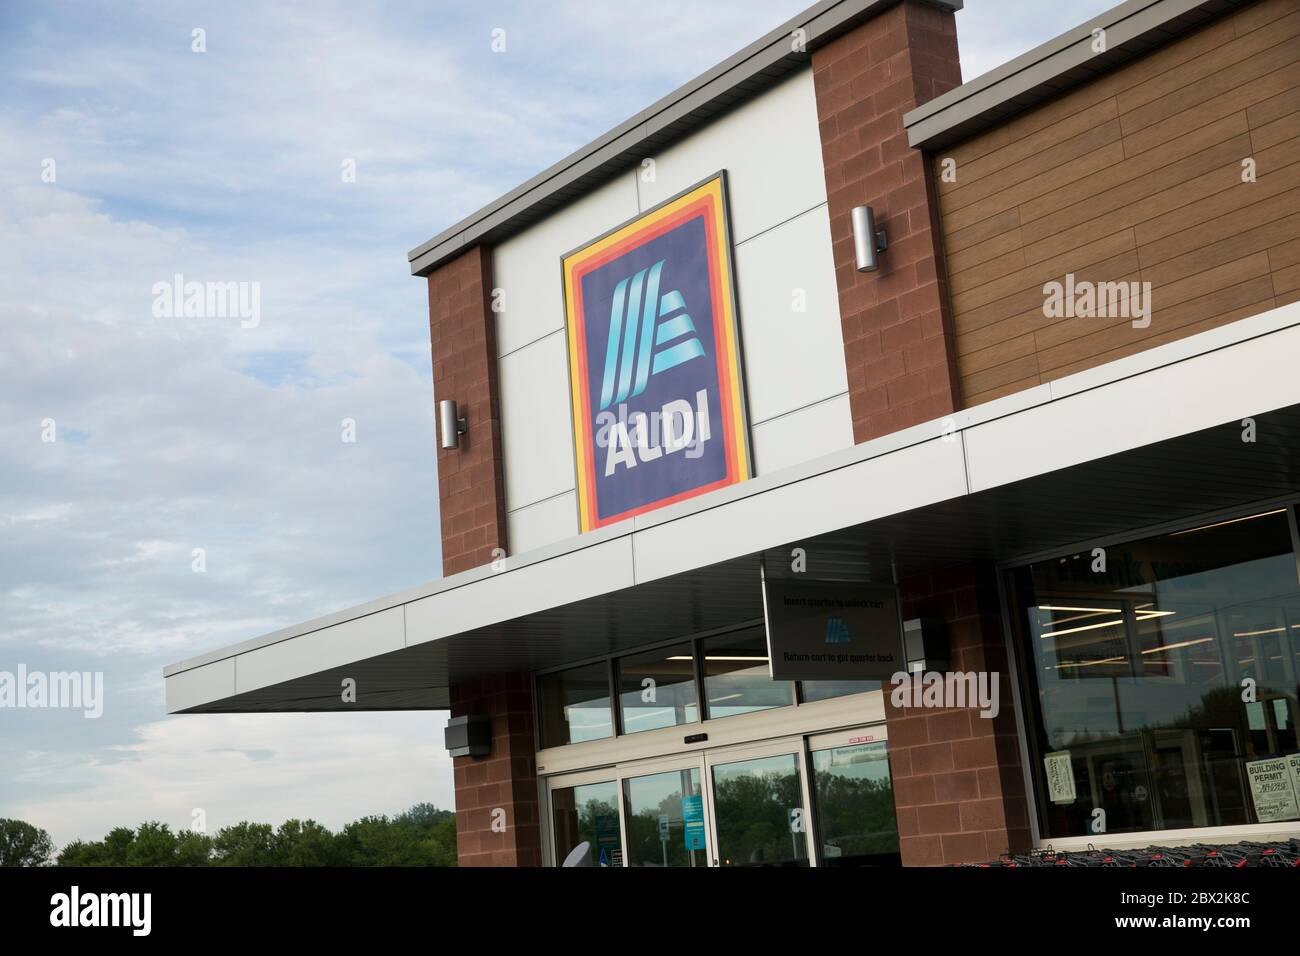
(574, 705)
(736, 679)
(814, 690)
(855, 806)
(657, 689)
(1162, 672)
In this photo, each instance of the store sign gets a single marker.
(1272, 790)
(830, 630)
(654, 360)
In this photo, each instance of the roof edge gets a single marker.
(751, 69)
(1133, 28)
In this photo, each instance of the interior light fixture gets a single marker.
(1083, 627)
(1220, 524)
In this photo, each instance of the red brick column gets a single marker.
(898, 341)
(505, 780)
(471, 486)
(958, 787)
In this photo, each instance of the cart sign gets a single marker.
(824, 630)
(654, 360)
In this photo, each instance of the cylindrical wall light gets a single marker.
(867, 242)
(450, 428)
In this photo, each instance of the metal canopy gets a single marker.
(1146, 440)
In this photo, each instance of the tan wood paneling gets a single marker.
(1136, 177)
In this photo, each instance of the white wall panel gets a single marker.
(536, 430)
(792, 358)
(542, 523)
(771, 149)
(808, 433)
(527, 266)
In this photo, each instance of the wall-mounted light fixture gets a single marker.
(469, 736)
(867, 241)
(450, 428)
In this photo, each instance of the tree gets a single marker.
(424, 815)
(244, 844)
(154, 845)
(117, 847)
(22, 844)
(439, 849)
(378, 841)
(193, 848)
(304, 843)
(421, 836)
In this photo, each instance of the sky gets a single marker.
(173, 484)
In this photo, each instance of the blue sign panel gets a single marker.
(693, 816)
(654, 361)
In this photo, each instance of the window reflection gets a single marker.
(1138, 671)
(815, 690)
(574, 705)
(856, 825)
(736, 677)
(760, 812)
(665, 823)
(657, 689)
(588, 814)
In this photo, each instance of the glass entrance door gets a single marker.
(759, 805)
(665, 818)
(824, 800)
(588, 813)
(853, 795)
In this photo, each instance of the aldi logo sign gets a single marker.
(654, 360)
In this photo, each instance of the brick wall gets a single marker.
(471, 486)
(506, 779)
(898, 343)
(958, 786)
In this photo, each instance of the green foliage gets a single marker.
(305, 843)
(154, 845)
(244, 844)
(22, 844)
(422, 836)
(193, 849)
